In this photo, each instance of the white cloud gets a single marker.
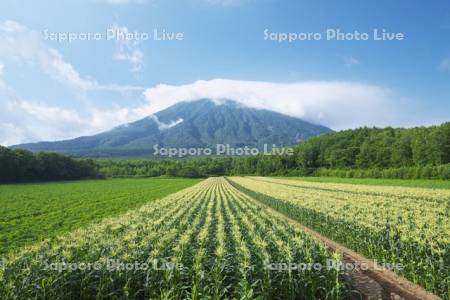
(350, 61)
(54, 65)
(26, 121)
(10, 134)
(163, 126)
(30, 121)
(128, 50)
(24, 46)
(23, 121)
(332, 103)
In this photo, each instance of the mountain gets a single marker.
(200, 124)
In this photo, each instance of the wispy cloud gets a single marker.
(135, 58)
(163, 126)
(128, 50)
(350, 61)
(24, 46)
(23, 120)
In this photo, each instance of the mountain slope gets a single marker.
(201, 123)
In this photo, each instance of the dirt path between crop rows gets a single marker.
(375, 282)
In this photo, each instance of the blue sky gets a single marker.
(52, 90)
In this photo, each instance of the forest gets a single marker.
(414, 153)
(23, 166)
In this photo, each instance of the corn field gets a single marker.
(209, 241)
(409, 227)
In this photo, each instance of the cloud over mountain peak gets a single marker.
(338, 104)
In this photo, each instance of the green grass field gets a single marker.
(33, 212)
(422, 183)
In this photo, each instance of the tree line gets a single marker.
(367, 148)
(414, 153)
(22, 166)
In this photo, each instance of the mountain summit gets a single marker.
(201, 123)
